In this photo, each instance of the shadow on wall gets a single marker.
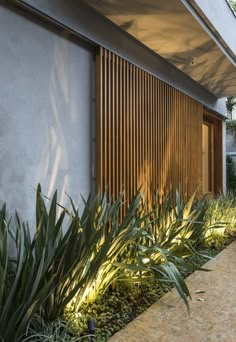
(155, 24)
(44, 114)
(180, 151)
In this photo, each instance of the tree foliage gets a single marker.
(233, 4)
(230, 103)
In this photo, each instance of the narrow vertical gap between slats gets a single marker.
(147, 132)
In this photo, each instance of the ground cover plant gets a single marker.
(80, 265)
(121, 304)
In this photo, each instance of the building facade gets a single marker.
(117, 94)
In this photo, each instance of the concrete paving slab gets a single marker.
(212, 313)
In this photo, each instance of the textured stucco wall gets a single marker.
(45, 113)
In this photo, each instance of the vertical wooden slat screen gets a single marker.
(148, 133)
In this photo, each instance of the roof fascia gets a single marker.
(82, 20)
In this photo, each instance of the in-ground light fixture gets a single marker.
(91, 329)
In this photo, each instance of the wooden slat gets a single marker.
(148, 133)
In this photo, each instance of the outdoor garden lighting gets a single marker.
(91, 328)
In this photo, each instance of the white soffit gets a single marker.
(169, 29)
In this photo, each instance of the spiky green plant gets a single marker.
(22, 290)
(119, 235)
(177, 224)
(98, 247)
(172, 230)
(151, 244)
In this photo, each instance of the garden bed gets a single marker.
(117, 307)
(107, 262)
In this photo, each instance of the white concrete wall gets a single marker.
(45, 113)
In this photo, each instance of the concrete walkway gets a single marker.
(212, 312)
